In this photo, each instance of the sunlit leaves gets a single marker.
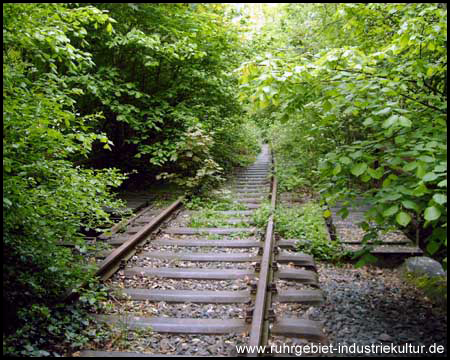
(432, 213)
(383, 111)
(368, 121)
(410, 166)
(403, 218)
(430, 177)
(403, 121)
(376, 173)
(440, 198)
(392, 120)
(345, 160)
(359, 169)
(409, 204)
(337, 169)
(374, 82)
(49, 198)
(160, 72)
(327, 105)
(390, 211)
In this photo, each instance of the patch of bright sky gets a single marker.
(254, 10)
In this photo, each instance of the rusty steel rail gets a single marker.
(121, 224)
(110, 265)
(113, 261)
(260, 326)
(260, 320)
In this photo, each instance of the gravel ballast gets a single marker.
(374, 306)
(178, 310)
(168, 344)
(368, 306)
(179, 284)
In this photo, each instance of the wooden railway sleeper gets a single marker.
(268, 271)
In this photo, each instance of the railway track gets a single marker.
(205, 290)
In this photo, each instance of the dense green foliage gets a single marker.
(212, 218)
(435, 288)
(50, 331)
(92, 94)
(354, 97)
(213, 202)
(306, 224)
(46, 199)
(351, 96)
(163, 79)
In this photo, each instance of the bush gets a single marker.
(47, 200)
(52, 331)
(434, 288)
(307, 226)
(361, 108)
